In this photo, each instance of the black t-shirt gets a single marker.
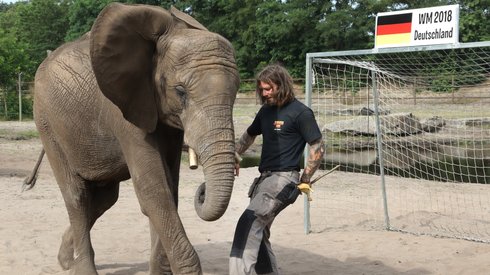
(285, 132)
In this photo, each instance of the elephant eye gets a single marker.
(181, 93)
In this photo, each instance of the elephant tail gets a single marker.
(30, 181)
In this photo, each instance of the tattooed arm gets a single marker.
(240, 147)
(244, 143)
(315, 157)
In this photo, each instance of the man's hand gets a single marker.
(305, 188)
(241, 146)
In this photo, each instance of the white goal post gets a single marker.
(410, 129)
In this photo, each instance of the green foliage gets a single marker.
(354, 86)
(474, 20)
(442, 84)
(35, 27)
(13, 59)
(81, 16)
(21, 135)
(4, 6)
(346, 26)
(9, 109)
(42, 28)
(29, 134)
(27, 104)
(453, 72)
(261, 31)
(247, 86)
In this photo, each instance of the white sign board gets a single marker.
(428, 26)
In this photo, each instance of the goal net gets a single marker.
(410, 129)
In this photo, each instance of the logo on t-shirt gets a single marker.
(278, 124)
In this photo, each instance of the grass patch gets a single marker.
(21, 135)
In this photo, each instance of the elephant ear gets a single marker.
(189, 20)
(123, 41)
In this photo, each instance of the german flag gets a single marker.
(393, 29)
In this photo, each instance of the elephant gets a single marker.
(119, 103)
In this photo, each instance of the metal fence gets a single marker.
(16, 101)
(410, 129)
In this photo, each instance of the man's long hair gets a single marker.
(278, 75)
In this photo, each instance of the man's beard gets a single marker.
(271, 101)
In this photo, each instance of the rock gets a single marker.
(433, 124)
(364, 111)
(397, 124)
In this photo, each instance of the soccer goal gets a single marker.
(410, 129)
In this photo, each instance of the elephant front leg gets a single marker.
(158, 204)
(159, 262)
(155, 175)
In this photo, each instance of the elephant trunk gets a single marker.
(218, 162)
(209, 131)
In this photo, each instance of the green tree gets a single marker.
(147, 2)
(233, 19)
(474, 24)
(41, 26)
(13, 59)
(344, 26)
(4, 6)
(9, 18)
(13, 56)
(262, 31)
(81, 16)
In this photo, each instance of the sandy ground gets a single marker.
(32, 223)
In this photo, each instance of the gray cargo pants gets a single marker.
(269, 194)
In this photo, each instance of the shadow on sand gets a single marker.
(214, 260)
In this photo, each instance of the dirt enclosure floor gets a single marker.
(32, 223)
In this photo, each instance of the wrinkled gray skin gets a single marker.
(115, 104)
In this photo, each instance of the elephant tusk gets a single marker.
(192, 159)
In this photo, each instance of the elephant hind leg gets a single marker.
(103, 198)
(66, 251)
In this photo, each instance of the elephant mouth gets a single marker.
(174, 121)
